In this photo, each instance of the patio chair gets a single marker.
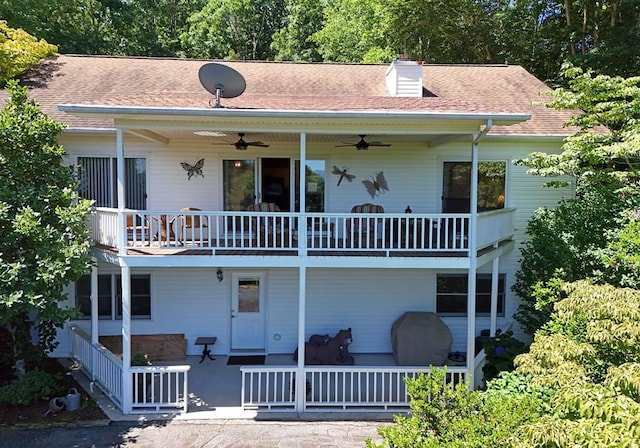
(269, 231)
(192, 227)
(361, 232)
(137, 228)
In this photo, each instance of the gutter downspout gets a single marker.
(473, 255)
(484, 132)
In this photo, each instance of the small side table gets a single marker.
(207, 341)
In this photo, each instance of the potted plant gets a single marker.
(142, 388)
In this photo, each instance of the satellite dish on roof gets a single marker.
(222, 81)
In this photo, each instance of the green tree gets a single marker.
(580, 238)
(43, 225)
(234, 29)
(589, 354)
(303, 18)
(444, 31)
(19, 51)
(356, 31)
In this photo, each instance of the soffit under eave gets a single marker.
(378, 121)
(387, 126)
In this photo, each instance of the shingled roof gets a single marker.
(174, 83)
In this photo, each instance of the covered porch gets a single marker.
(212, 389)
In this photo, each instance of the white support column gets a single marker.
(301, 382)
(122, 226)
(302, 221)
(94, 313)
(473, 261)
(126, 339)
(494, 296)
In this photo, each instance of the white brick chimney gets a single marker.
(404, 78)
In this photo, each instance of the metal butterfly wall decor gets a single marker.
(343, 173)
(193, 170)
(377, 185)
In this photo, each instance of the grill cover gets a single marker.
(420, 339)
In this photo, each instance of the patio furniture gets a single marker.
(192, 227)
(269, 231)
(206, 352)
(362, 232)
(165, 231)
(137, 227)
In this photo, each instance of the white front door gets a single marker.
(248, 312)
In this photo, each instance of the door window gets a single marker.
(239, 184)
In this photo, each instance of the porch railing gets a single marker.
(278, 231)
(154, 388)
(98, 363)
(334, 387)
(159, 388)
(272, 388)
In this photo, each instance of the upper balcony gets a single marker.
(285, 234)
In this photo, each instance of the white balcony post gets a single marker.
(301, 382)
(94, 314)
(122, 234)
(302, 220)
(126, 340)
(473, 261)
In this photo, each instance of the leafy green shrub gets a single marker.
(444, 415)
(140, 359)
(500, 352)
(31, 387)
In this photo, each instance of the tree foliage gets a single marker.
(293, 42)
(590, 354)
(19, 50)
(43, 224)
(234, 29)
(592, 235)
(538, 34)
(355, 31)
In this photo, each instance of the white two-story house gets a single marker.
(260, 203)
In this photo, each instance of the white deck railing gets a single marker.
(277, 231)
(334, 387)
(272, 388)
(154, 388)
(159, 388)
(98, 363)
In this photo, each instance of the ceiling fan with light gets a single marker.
(242, 144)
(362, 144)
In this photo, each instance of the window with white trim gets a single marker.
(451, 295)
(456, 187)
(110, 296)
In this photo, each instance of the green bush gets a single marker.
(31, 387)
(500, 352)
(443, 415)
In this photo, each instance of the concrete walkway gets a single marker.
(210, 434)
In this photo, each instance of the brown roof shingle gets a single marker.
(160, 82)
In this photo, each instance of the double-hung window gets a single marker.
(110, 296)
(452, 289)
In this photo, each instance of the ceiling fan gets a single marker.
(242, 144)
(363, 145)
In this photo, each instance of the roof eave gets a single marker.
(127, 116)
